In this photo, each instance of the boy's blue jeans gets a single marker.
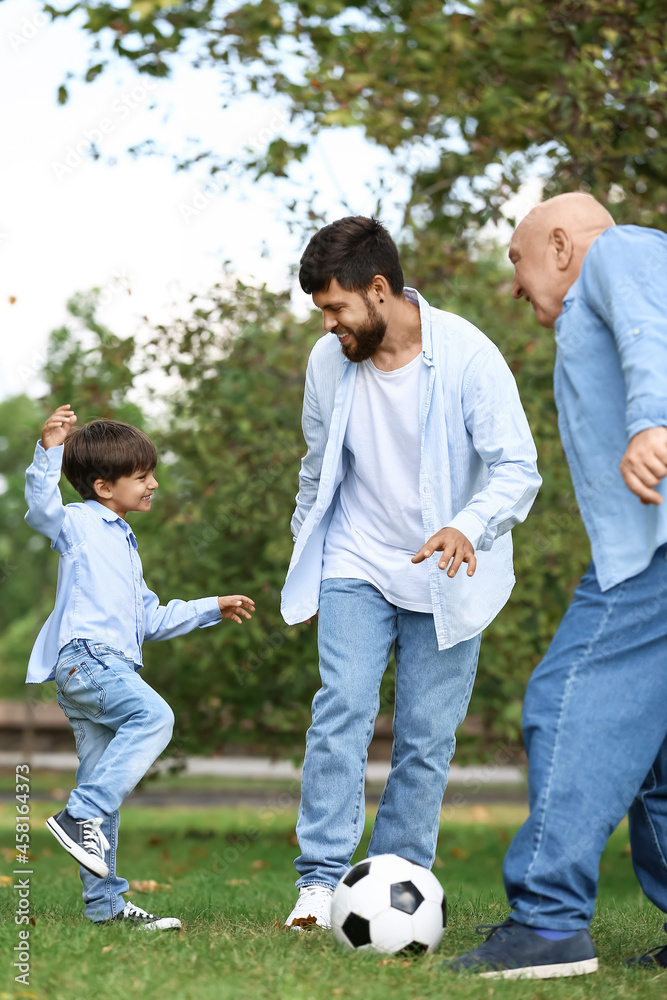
(121, 726)
(356, 630)
(595, 728)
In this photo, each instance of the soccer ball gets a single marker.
(388, 904)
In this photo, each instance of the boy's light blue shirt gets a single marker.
(610, 382)
(478, 468)
(101, 592)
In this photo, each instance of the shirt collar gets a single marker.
(412, 295)
(108, 515)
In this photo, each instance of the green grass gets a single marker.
(231, 878)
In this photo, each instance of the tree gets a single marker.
(471, 95)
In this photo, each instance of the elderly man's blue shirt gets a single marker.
(610, 382)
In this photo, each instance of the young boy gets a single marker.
(91, 643)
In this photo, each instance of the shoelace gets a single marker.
(130, 910)
(489, 929)
(94, 840)
(655, 951)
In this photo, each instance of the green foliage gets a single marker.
(472, 92)
(222, 523)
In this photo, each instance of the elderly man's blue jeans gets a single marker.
(595, 727)
(121, 726)
(357, 628)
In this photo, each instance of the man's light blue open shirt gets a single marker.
(101, 593)
(478, 468)
(610, 382)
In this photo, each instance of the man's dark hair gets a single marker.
(352, 250)
(105, 449)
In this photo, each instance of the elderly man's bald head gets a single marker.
(548, 248)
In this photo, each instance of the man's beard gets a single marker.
(367, 337)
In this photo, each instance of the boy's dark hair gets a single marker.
(105, 449)
(352, 250)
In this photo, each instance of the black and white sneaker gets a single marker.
(83, 839)
(513, 951)
(655, 956)
(144, 921)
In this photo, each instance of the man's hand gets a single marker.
(235, 605)
(454, 546)
(56, 428)
(645, 463)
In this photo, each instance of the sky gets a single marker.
(146, 235)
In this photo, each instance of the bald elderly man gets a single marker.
(595, 714)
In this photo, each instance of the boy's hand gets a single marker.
(56, 428)
(455, 547)
(232, 607)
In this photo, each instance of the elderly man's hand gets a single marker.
(645, 463)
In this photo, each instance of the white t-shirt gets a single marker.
(377, 525)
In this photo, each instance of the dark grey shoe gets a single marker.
(134, 915)
(514, 951)
(653, 957)
(83, 839)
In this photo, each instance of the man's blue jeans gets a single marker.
(595, 727)
(356, 630)
(121, 726)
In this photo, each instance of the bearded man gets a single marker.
(417, 443)
(595, 713)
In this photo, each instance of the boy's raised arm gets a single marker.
(46, 512)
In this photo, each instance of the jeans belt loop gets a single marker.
(90, 653)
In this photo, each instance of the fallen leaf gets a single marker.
(385, 961)
(107, 947)
(47, 852)
(293, 840)
(147, 885)
(305, 922)
(8, 854)
(199, 852)
(337, 992)
(626, 852)
(256, 865)
(6, 880)
(458, 852)
(237, 881)
(480, 814)
(438, 862)
(152, 841)
(406, 963)
(12, 300)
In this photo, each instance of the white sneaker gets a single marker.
(313, 908)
